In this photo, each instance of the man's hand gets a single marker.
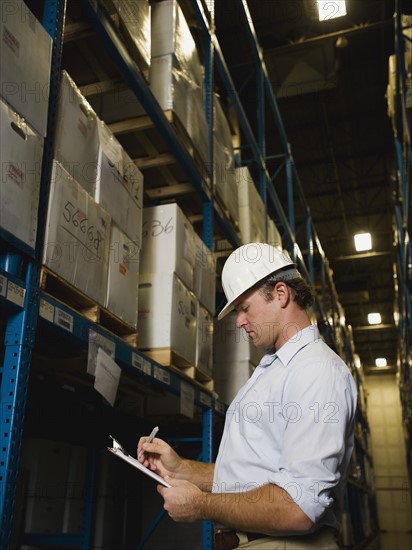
(159, 457)
(182, 500)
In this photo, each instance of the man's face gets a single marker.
(258, 318)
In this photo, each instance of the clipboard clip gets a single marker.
(116, 447)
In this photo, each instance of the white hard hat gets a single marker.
(248, 265)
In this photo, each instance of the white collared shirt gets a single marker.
(292, 425)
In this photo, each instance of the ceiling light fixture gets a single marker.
(363, 241)
(381, 362)
(374, 318)
(328, 9)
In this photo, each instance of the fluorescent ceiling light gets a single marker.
(374, 318)
(380, 362)
(363, 241)
(330, 9)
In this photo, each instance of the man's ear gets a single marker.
(282, 292)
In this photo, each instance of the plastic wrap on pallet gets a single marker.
(205, 275)
(21, 159)
(274, 237)
(171, 35)
(175, 89)
(119, 186)
(251, 208)
(117, 104)
(135, 26)
(204, 341)
(224, 162)
(167, 315)
(25, 52)
(233, 344)
(77, 236)
(176, 74)
(123, 277)
(168, 243)
(77, 139)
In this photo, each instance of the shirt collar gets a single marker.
(296, 343)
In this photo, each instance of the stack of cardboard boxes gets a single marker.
(93, 232)
(174, 265)
(25, 50)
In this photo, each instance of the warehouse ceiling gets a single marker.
(330, 81)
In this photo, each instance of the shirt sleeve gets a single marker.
(318, 409)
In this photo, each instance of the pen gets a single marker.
(149, 439)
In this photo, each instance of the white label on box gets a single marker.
(15, 294)
(161, 375)
(107, 377)
(98, 341)
(3, 285)
(46, 310)
(205, 399)
(63, 319)
(141, 364)
(187, 399)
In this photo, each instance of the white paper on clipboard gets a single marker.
(118, 450)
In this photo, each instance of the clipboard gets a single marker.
(118, 451)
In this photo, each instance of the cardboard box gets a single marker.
(77, 236)
(171, 34)
(167, 315)
(232, 344)
(119, 187)
(20, 159)
(25, 58)
(205, 275)
(48, 464)
(168, 243)
(230, 376)
(204, 341)
(123, 277)
(77, 140)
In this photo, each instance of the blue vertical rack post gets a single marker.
(19, 342)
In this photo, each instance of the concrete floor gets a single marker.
(391, 541)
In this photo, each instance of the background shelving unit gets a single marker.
(403, 208)
(30, 312)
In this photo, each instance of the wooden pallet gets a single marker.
(167, 357)
(65, 292)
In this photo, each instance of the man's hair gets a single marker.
(302, 293)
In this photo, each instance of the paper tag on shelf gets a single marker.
(161, 375)
(3, 285)
(141, 364)
(187, 399)
(63, 319)
(16, 293)
(46, 310)
(107, 376)
(98, 341)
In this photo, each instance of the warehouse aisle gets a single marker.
(391, 541)
(392, 485)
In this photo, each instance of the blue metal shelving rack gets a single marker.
(22, 318)
(403, 213)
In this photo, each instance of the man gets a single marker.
(288, 436)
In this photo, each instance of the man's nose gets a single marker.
(240, 319)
